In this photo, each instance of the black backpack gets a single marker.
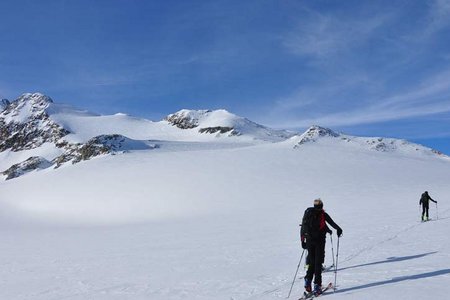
(313, 223)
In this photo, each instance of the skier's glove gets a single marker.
(339, 232)
(303, 242)
(329, 231)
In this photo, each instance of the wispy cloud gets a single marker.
(430, 98)
(438, 17)
(374, 115)
(367, 68)
(320, 35)
(312, 95)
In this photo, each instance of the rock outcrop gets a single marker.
(25, 124)
(28, 165)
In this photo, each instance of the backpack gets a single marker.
(313, 223)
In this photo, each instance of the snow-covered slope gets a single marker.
(223, 224)
(327, 137)
(33, 126)
(60, 133)
(186, 214)
(222, 122)
(25, 124)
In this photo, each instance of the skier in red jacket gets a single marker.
(313, 234)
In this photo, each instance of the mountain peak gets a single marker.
(35, 98)
(26, 124)
(26, 106)
(321, 131)
(3, 104)
(315, 132)
(221, 122)
(186, 118)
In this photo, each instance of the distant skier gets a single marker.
(313, 234)
(424, 201)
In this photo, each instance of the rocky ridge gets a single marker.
(3, 104)
(28, 165)
(186, 119)
(190, 119)
(99, 145)
(25, 125)
(222, 122)
(316, 134)
(28, 123)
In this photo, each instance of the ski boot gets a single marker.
(317, 290)
(308, 288)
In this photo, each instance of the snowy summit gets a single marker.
(34, 127)
(206, 205)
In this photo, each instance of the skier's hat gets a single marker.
(318, 203)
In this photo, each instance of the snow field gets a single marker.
(223, 224)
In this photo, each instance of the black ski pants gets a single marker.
(425, 208)
(316, 255)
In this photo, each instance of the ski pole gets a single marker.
(437, 212)
(332, 249)
(295, 276)
(336, 267)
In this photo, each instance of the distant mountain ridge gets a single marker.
(316, 133)
(25, 123)
(224, 122)
(36, 133)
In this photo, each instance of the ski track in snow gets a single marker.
(227, 227)
(343, 266)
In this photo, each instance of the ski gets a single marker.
(424, 221)
(327, 268)
(329, 286)
(307, 296)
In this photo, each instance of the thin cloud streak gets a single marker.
(433, 89)
(372, 115)
(433, 97)
(313, 95)
(327, 36)
(393, 61)
(439, 18)
(361, 117)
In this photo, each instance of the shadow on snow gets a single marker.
(396, 279)
(389, 260)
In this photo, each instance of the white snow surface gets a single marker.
(185, 215)
(9, 158)
(204, 221)
(223, 118)
(84, 127)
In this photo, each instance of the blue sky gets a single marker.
(374, 68)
